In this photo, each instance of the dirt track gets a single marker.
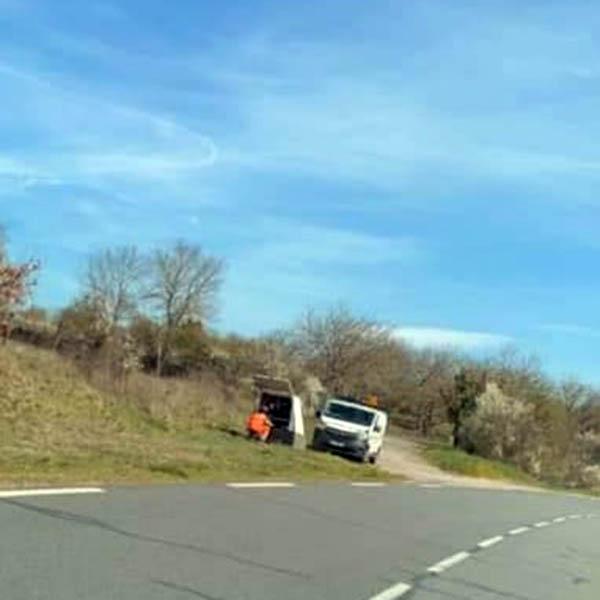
(402, 456)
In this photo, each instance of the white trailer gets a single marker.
(284, 409)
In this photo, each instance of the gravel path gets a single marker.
(402, 456)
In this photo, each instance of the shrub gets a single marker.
(504, 428)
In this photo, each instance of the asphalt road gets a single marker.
(324, 542)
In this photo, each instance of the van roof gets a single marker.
(355, 403)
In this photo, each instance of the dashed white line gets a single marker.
(368, 484)
(391, 593)
(431, 486)
(401, 588)
(445, 564)
(490, 541)
(50, 492)
(260, 485)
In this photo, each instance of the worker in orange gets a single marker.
(259, 425)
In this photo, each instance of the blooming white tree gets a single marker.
(503, 428)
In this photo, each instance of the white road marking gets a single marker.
(399, 589)
(50, 492)
(490, 541)
(431, 485)
(445, 564)
(261, 485)
(368, 484)
(391, 593)
(518, 530)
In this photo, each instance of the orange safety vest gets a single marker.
(259, 423)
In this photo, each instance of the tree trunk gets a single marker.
(455, 435)
(159, 357)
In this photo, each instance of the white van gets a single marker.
(345, 426)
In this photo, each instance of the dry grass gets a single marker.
(178, 403)
(57, 428)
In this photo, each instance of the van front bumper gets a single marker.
(340, 443)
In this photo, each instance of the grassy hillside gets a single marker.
(55, 428)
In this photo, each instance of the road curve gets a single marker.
(326, 542)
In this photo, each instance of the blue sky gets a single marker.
(432, 164)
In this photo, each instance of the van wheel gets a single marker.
(373, 458)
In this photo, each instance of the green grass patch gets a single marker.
(205, 456)
(457, 461)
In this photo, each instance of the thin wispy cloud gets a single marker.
(284, 263)
(424, 162)
(440, 338)
(83, 138)
(391, 132)
(291, 99)
(295, 244)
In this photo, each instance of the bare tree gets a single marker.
(111, 284)
(426, 379)
(518, 375)
(182, 287)
(574, 395)
(339, 347)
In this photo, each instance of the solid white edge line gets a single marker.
(391, 593)
(541, 524)
(518, 530)
(367, 484)
(260, 485)
(559, 520)
(445, 564)
(50, 492)
(490, 541)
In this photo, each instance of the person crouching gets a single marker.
(259, 425)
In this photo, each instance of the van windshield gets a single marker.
(353, 414)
